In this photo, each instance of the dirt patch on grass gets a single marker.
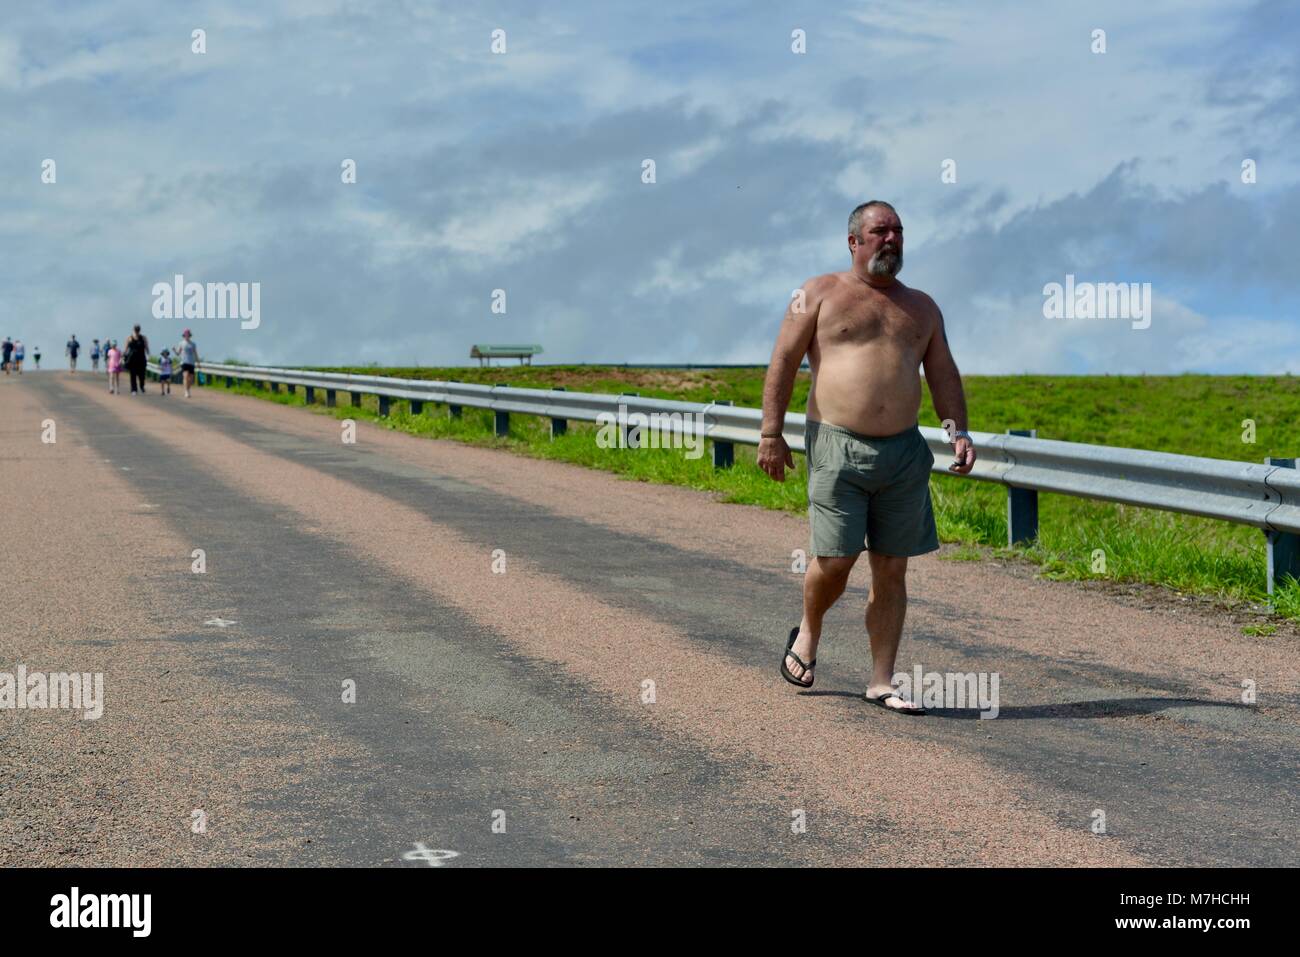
(1228, 612)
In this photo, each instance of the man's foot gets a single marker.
(887, 697)
(800, 659)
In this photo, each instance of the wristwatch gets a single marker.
(963, 434)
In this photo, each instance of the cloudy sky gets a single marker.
(522, 171)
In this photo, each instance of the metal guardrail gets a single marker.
(1265, 496)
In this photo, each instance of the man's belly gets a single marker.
(870, 398)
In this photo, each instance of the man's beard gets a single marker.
(886, 263)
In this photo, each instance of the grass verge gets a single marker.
(1078, 539)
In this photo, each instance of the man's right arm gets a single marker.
(792, 342)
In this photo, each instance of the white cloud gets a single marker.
(506, 225)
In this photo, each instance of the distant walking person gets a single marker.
(36, 354)
(165, 373)
(72, 348)
(18, 356)
(113, 363)
(7, 349)
(94, 356)
(189, 355)
(137, 358)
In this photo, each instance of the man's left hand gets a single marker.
(963, 456)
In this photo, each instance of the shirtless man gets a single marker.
(865, 334)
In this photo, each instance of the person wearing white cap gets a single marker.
(189, 355)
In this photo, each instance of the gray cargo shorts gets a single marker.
(869, 491)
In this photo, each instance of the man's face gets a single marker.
(879, 247)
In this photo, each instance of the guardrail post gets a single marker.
(417, 407)
(724, 453)
(500, 420)
(273, 386)
(229, 382)
(559, 426)
(290, 388)
(331, 396)
(356, 399)
(383, 405)
(628, 442)
(310, 394)
(453, 411)
(1283, 547)
(1022, 505)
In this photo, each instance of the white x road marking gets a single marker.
(433, 858)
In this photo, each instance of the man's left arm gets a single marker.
(946, 391)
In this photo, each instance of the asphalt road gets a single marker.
(554, 666)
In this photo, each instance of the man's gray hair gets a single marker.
(855, 217)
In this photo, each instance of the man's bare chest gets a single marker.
(857, 322)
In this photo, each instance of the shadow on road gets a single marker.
(1106, 708)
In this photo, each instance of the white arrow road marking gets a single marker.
(219, 622)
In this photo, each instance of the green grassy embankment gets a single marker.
(1191, 415)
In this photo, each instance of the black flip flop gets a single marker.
(785, 672)
(880, 703)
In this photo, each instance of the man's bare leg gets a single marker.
(823, 584)
(886, 609)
